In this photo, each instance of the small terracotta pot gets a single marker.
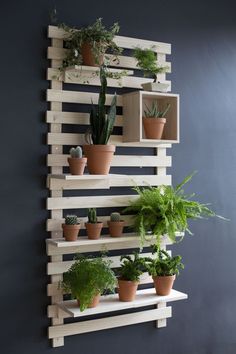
(153, 127)
(88, 56)
(93, 303)
(99, 158)
(71, 232)
(77, 165)
(163, 285)
(127, 290)
(93, 230)
(116, 228)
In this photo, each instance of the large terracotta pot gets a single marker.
(71, 231)
(94, 302)
(163, 285)
(153, 127)
(93, 230)
(99, 158)
(116, 228)
(127, 290)
(88, 56)
(77, 165)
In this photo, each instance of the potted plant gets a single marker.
(89, 44)
(163, 270)
(76, 161)
(71, 227)
(93, 226)
(165, 210)
(98, 152)
(129, 273)
(154, 121)
(87, 279)
(147, 62)
(115, 225)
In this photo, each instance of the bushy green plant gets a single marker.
(132, 267)
(101, 124)
(71, 220)
(164, 265)
(115, 216)
(87, 278)
(76, 152)
(165, 210)
(92, 216)
(147, 62)
(154, 112)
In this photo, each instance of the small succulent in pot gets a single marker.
(132, 267)
(115, 225)
(76, 161)
(93, 226)
(71, 227)
(154, 120)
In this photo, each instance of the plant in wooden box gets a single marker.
(93, 226)
(163, 269)
(165, 210)
(89, 44)
(129, 273)
(154, 121)
(71, 227)
(147, 62)
(87, 279)
(76, 161)
(115, 225)
(98, 152)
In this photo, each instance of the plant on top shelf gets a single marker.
(93, 226)
(87, 279)
(71, 227)
(76, 161)
(115, 225)
(154, 120)
(165, 210)
(132, 267)
(98, 152)
(163, 269)
(147, 62)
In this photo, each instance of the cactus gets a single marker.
(92, 216)
(76, 152)
(71, 220)
(115, 216)
(153, 112)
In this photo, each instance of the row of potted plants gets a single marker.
(88, 279)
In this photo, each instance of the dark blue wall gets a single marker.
(203, 35)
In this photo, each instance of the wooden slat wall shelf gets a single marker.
(146, 166)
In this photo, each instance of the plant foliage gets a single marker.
(92, 216)
(163, 264)
(131, 267)
(154, 112)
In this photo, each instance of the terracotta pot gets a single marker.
(88, 56)
(163, 285)
(116, 228)
(153, 127)
(93, 230)
(127, 290)
(99, 158)
(77, 165)
(71, 231)
(93, 303)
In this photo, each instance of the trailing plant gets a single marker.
(76, 152)
(163, 264)
(101, 124)
(165, 210)
(154, 112)
(87, 278)
(147, 62)
(92, 216)
(115, 216)
(71, 220)
(132, 267)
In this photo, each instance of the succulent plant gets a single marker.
(115, 216)
(76, 152)
(71, 220)
(92, 216)
(154, 112)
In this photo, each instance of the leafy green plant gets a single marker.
(164, 264)
(87, 278)
(92, 216)
(71, 220)
(131, 267)
(154, 112)
(165, 210)
(101, 124)
(147, 62)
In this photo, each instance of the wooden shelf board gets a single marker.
(159, 141)
(111, 303)
(96, 69)
(69, 177)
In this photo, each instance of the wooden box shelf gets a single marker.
(135, 103)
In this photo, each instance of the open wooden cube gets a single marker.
(135, 103)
